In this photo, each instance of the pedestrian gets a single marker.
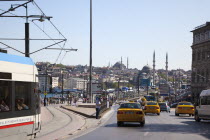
(98, 106)
(70, 99)
(75, 101)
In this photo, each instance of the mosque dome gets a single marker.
(146, 69)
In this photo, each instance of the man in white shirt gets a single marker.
(98, 106)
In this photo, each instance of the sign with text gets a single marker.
(96, 88)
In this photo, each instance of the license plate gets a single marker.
(152, 107)
(185, 108)
(129, 112)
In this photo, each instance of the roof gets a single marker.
(201, 26)
(205, 92)
(16, 59)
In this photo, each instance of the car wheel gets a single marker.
(190, 115)
(142, 123)
(197, 119)
(158, 113)
(176, 114)
(119, 124)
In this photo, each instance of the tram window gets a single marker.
(22, 95)
(5, 96)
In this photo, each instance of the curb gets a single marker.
(80, 113)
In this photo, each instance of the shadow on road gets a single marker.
(124, 125)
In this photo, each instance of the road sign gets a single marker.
(96, 88)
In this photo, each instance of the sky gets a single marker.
(121, 28)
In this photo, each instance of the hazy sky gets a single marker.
(127, 28)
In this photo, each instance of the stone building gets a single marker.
(200, 60)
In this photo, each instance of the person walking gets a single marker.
(98, 106)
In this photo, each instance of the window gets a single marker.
(203, 55)
(5, 96)
(207, 75)
(22, 95)
(207, 35)
(199, 55)
(202, 36)
(203, 100)
(185, 103)
(208, 100)
(130, 105)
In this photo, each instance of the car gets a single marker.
(202, 111)
(184, 108)
(164, 107)
(152, 107)
(130, 112)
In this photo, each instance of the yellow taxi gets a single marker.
(152, 107)
(130, 112)
(184, 108)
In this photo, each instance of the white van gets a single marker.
(203, 110)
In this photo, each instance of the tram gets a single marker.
(19, 98)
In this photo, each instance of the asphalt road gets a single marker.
(167, 126)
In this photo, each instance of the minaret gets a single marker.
(121, 64)
(167, 67)
(154, 68)
(127, 62)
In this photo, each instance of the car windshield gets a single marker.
(130, 105)
(151, 103)
(185, 103)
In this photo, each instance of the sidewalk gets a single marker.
(58, 123)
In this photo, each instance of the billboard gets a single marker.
(164, 89)
(145, 82)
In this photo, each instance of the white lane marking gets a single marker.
(146, 133)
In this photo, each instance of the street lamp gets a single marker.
(62, 71)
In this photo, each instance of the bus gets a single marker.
(19, 98)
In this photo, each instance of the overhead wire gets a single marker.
(62, 47)
(55, 28)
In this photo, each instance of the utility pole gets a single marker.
(45, 87)
(62, 86)
(90, 78)
(26, 34)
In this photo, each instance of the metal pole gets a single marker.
(45, 87)
(118, 91)
(138, 82)
(90, 79)
(62, 86)
(26, 34)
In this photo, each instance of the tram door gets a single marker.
(37, 106)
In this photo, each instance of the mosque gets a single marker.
(148, 75)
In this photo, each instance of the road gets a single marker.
(167, 126)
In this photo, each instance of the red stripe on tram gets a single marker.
(15, 125)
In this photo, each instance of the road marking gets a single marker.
(146, 133)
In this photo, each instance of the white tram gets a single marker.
(19, 98)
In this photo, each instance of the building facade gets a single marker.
(75, 83)
(44, 82)
(200, 60)
(55, 82)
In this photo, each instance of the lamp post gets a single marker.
(90, 76)
(118, 88)
(45, 87)
(62, 85)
